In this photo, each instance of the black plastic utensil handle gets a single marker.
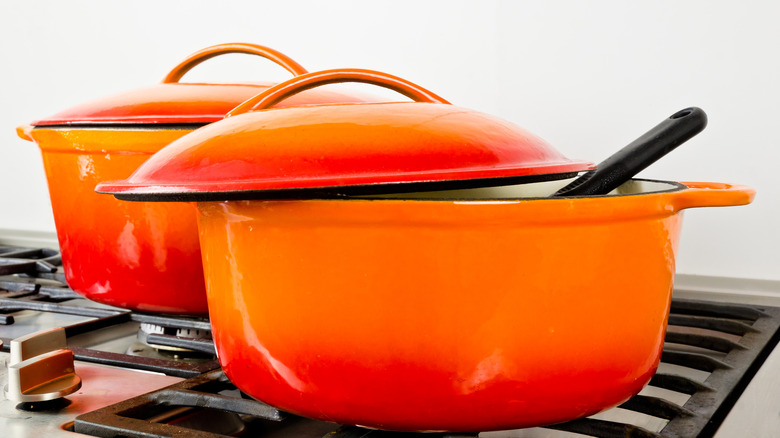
(642, 152)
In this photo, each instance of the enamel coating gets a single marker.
(173, 102)
(343, 145)
(207, 53)
(139, 256)
(445, 315)
(290, 88)
(177, 104)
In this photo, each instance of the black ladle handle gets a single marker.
(642, 152)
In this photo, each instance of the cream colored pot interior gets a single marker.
(531, 190)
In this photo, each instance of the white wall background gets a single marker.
(587, 76)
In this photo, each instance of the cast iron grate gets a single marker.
(40, 262)
(727, 343)
(32, 279)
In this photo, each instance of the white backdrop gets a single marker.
(587, 76)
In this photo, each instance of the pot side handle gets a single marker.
(279, 92)
(221, 49)
(25, 132)
(712, 194)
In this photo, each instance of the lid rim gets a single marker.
(310, 195)
(128, 192)
(172, 103)
(188, 102)
(121, 124)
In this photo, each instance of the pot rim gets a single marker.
(377, 211)
(622, 192)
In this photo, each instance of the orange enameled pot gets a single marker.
(475, 311)
(468, 310)
(137, 256)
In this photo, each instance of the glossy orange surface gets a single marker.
(441, 314)
(177, 103)
(342, 145)
(173, 102)
(307, 81)
(140, 256)
(207, 53)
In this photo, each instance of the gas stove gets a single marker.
(146, 375)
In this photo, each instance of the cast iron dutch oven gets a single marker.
(457, 310)
(137, 256)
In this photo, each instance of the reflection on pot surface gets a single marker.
(436, 314)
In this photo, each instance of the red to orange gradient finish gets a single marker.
(140, 256)
(444, 314)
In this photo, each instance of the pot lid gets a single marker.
(172, 102)
(339, 149)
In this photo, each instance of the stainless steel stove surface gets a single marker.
(718, 375)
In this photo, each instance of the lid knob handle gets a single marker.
(221, 49)
(284, 90)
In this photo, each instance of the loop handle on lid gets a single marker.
(221, 49)
(284, 90)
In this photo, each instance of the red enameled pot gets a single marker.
(139, 256)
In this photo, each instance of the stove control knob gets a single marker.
(41, 368)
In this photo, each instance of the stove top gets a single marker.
(170, 384)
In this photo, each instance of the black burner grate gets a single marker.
(711, 353)
(728, 343)
(32, 279)
(36, 261)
